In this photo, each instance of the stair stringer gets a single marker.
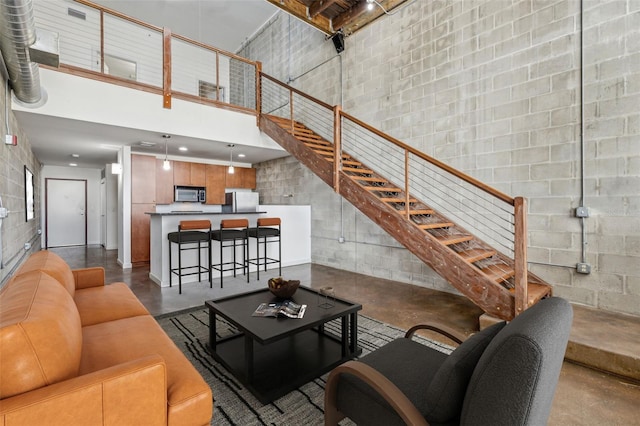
(490, 296)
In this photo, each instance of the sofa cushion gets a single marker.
(40, 334)
(53, 265)
(111, 343)
(107, 303)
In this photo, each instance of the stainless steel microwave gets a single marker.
(190, 194)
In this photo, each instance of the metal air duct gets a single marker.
(17, 33)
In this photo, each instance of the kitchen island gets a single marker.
(295, 236)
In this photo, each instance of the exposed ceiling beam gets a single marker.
(319, 6)
(349, 15)
(362, 19)
(299, 10)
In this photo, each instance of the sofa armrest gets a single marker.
(130, 393)
(88, 277)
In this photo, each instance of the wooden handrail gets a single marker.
(297, 92)
(465, 177)
(213, 49)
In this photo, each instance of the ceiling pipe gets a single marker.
(17, 34)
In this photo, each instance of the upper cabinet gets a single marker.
(143, 179)
(242, 178)
(215, 183)
(193, 174)
(164, 183)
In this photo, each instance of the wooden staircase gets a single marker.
(472, 266)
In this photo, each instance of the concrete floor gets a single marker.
(584, 396)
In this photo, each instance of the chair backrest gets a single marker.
(269, 221)
(194, 224)
(515, 379)
(234, 223)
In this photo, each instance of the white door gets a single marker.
(66, 206)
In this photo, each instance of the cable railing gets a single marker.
(496, 220)
(101, 43)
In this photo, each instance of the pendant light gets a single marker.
(166, 165)
(231, 169)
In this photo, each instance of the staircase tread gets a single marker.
(498, 273)
(450, 239)
(382, 188)
(310, 139)
(330, 154)
(355, 170)
(435, 225)
(369, 178)
(416, 212)
(326, 148)
(473, 255)
(536, 292)
(347, 162)
(397, 200)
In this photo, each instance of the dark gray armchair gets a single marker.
(505, 374)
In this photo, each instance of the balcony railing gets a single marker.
(102, 43)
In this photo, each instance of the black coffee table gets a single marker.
(273, 356)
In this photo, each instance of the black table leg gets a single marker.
(345, 335)
(248, 357)
(353, 342)
(212, 330)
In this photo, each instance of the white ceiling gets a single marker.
(225, 24)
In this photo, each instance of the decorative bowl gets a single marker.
(282, 288)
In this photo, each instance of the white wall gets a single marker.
(92, 176)
(70, 95)
(111, 209)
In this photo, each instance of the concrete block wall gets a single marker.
(15, 230)
(492, 88)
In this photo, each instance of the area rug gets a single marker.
(234, 404)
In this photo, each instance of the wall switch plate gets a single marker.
(582, 211)
(3, 212)
(11, 140)
(341, 240)
(583, 268)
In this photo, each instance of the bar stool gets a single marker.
(190, 236)
(267, 231)
(232, 233)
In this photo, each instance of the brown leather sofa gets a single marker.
(74, 351)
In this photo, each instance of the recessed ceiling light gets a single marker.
(75, 155)
(183, 148)
(241, 155)
(73, 164)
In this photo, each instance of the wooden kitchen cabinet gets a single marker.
(189, 174)
(143, 179)
(198, 174)
(242, 178)
(215, 181)
(141, 232)
(164, 183)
